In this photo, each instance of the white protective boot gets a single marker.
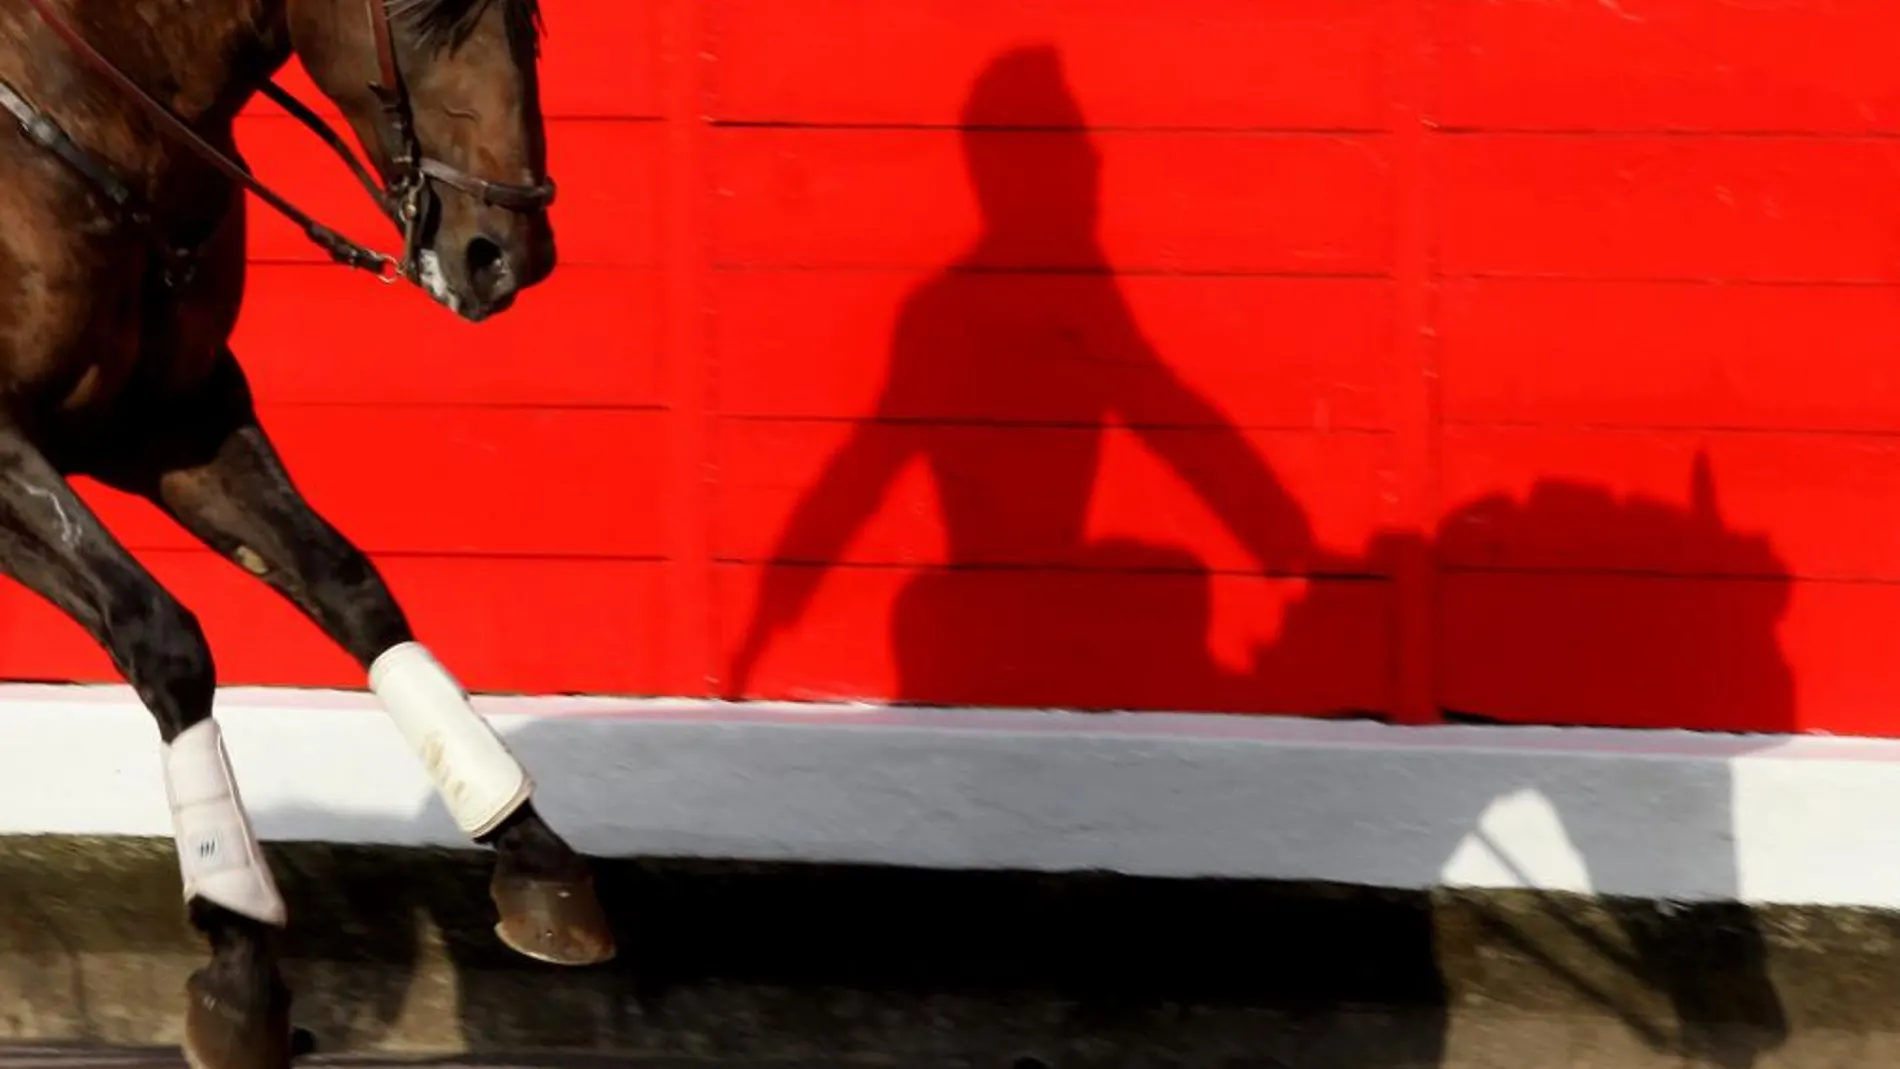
(480, 782)
(218, 853)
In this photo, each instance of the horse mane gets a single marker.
(446, 23)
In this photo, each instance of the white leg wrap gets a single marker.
(478, 779)
(218, 854)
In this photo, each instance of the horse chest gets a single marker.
(162, 343)
(183, 340)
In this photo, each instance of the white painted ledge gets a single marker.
(1675, 815)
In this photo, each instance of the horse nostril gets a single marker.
(488, 269)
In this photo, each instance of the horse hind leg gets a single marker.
(214, 470)
(237, 1014)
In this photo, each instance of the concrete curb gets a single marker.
(853, 884)
(738, 963)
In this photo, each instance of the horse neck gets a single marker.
(214, 60)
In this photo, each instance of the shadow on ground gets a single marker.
(730, 964)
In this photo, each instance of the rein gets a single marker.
(403, 201)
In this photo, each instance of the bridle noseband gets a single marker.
(406, 200)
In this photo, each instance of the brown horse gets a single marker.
(122, 221)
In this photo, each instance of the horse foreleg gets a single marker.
(237, 1016)
(211, 466)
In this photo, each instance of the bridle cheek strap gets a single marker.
(405, 152)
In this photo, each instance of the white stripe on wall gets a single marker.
(1656, 814)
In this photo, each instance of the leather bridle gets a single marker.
(406, 199)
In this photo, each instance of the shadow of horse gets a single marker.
(780, 949)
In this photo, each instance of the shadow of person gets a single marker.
(1006, 369)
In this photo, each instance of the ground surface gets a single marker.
(29, 1057)
(815, 967)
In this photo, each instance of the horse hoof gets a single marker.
(227, 1032)
(556, 921)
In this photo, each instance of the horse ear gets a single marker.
(1702, 501)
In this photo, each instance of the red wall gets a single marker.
(1536, 359)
